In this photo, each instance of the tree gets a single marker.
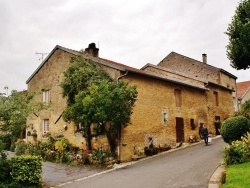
(78, 77)
(14, 110)
(109, 106)
(81, 73)
(244, 109)
(238, 31)
(96, 100)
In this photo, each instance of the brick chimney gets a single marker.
(92, 50)
(204, 58)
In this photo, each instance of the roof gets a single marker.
(221, 70)
(242, 88)
(171, 71)
(117, 66)
(50, 54)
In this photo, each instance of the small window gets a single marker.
(178, 100)
(46, 96)
(216, 98)
(78, 127)
(45, 126)
(192, 124)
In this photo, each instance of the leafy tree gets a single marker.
(238, 49)
(81, 74)
(97, 100)
(14, 110)
(107, 105)
(77, 78)
(244, 110)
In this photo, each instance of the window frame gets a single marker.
(45, 126)
(46, 96)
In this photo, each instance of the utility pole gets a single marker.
(41, 54)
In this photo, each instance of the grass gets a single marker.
(237, 176)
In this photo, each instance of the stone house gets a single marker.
(243, 92)
(174, 98)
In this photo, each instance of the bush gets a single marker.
(234, 128)
(238, 151)
(5, 169)
(6, 139)
(99, 156)
(26, 169)
(20, 147)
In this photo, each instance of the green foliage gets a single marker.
(234, 128)
(6, 139)
(62, 148)
(81, 74)
(238, 151)
(26, 169)
(14, 110)
(20, 147)
(244, 109)
(62, 145)
(235, 153)
(238, 31)
(99, 155)
(5, 169)
(94, 98)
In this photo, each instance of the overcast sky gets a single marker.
(132, 32)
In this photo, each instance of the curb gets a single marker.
(218, 177)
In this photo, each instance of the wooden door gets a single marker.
(179, 129)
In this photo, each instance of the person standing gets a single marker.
(205, 134)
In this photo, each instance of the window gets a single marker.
(177, 94)
(46, 96)
(78, 127)
(216, 99)
(192, 124)
(45, 126)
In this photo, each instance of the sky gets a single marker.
(131, 32)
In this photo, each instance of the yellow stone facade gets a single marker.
(156, 113)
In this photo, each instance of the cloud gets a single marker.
(126, 31)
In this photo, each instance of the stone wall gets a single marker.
(155, 111)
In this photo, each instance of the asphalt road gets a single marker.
(190, 167)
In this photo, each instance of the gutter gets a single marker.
(119, 129)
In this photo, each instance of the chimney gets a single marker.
(204, 58)
(92, 50)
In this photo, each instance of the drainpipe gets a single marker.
(119, 130)
(118, 78)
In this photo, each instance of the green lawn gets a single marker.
(237, 176)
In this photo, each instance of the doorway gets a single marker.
(179, 129)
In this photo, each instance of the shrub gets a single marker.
(26, 169)
(20, 147)
(98, 156)
(5, 169)
(234, 128)
(6, 139)
(238, 151)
